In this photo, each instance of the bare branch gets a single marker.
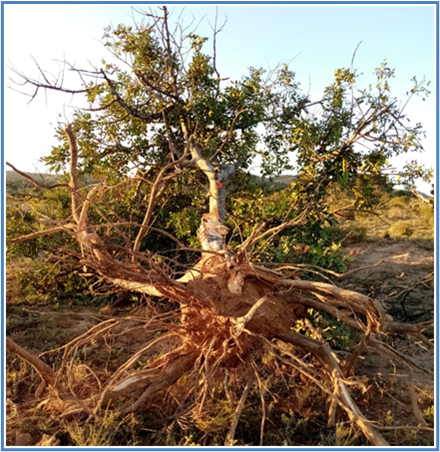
(281, 227)
(74, 182)
(45, 372)
(229, 441)
(56, 86)
(147, 117)
(31, 179)
(69, 227)
(155, 193)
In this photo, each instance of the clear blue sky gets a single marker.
(319, 39)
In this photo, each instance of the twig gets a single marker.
(361, 211)
(412, 393)
(263, 402)
(402, 295)
(404, 427)
(229, 441)
(386, 259)
(69, 227)
(379, 345)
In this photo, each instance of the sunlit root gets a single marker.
(218, 330)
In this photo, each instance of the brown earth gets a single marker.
(399, 274)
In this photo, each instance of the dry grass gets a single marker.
(401, 229)
(398, 218)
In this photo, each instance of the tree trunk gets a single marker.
(217, 189)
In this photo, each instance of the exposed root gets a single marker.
(227, 312)
(45, 372)
(215, 334)
(262, 391)
(413, 396)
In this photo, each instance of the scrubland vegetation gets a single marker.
(159, 294)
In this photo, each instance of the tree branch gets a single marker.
(150, 117)
(38, 184)
(24, 238)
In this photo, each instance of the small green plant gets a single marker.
(97, 432)
(338, 334)
(217, 418)
(335, 332)
(294, 427)
(389, 420)
(189, 441)
(341, 436)
(429, 415)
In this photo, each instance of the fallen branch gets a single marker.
(229, 441)
(69, 227)
(323, 354)
(415, 406)
(45, 372)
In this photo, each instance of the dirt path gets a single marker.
(413, 259)
(398, 273)
(395, 272)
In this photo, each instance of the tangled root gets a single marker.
(215, 331)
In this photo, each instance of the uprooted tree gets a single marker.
(158, 138)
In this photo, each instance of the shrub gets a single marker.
(99, 432)
(401, 201)
(45, 282)
(355, 234)
(402, 193)
(401, 229)
(426, 212)
(397, 212)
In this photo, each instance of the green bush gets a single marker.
(402, 193)
(45, 282)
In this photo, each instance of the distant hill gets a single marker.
(283, 180)
(15, 181)
(278, 181)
